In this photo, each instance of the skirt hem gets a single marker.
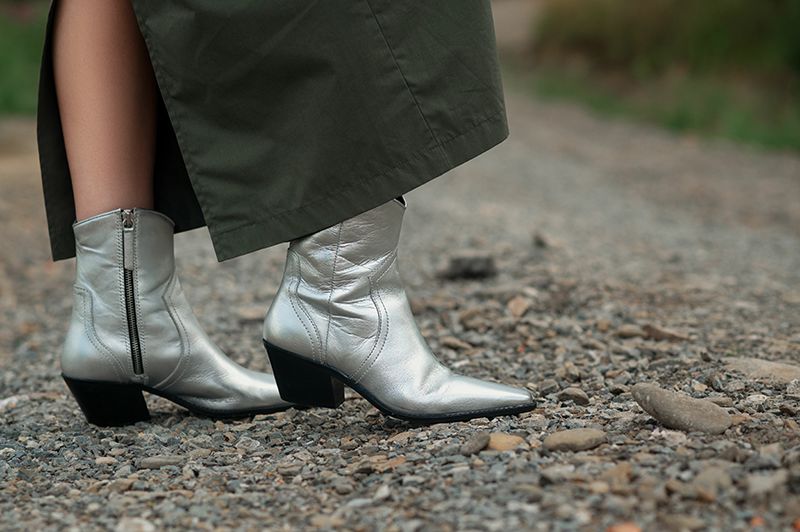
(365, 194)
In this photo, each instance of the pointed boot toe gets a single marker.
(341, 317)
(487, 396)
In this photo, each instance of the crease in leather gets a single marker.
(88, 326)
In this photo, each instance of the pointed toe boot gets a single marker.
(341, 316)
(132, 330)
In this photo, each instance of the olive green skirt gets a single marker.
(282, 117)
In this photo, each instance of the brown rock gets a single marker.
(678, 411)
(518, 306)
(390, 464)
(575, 395)
(710, 482)
(574, 440)
(454, 343)
(765, 370)
(630, 331)
(499, 441)
(660, 334)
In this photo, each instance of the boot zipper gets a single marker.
(130, 303)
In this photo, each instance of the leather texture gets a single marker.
(342, 304)
(178, 358)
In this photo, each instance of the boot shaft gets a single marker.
(133, 239)
(350, 250)
(330, 292)
(124, 278)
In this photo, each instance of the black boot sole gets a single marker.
(307, 383)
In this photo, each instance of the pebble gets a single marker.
(624, 527)
(711, 481)
(291, 469)
(574, 440)
(764, 370)
(630, 331)
(548, 386)
(504, 442)
(343, 488)
(661, 334)
(134, 524)
(764, 483)
(518, 306)
(575, 395)
(679, 411)
(324, 521)
(155, 462)
(469, 264)
(476, 443)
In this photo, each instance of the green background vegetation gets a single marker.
(21, 32)
(727, 68)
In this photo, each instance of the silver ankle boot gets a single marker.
(132, 330)
(341, 315)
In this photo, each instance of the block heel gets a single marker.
(303, 382)
(108, 404)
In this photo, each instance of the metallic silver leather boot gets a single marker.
(132, 330)
(341, 315)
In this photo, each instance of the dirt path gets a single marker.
(599, 230)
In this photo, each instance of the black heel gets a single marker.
(108, 404)
(303, 382)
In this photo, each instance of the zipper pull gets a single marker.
(127, 238)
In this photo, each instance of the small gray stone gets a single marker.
(575, 395)
(155, 462)
(289, 469)
(678, 411)
(574, 440)
(557, 473)
(469, 264)
(712, 481)
(134, 524)
(630, 331)
(764, 483)
(343, 488)
(547, 386)
(476, 443)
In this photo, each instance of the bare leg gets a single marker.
(107, 100)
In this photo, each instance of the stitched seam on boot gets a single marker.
(295, 301)
(382, 335)
(87, 316)
(374, 291)
(186, 346)
(330, 294)
(362, 368)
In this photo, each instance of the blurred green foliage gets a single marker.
(21, 39)
(650, 36)
(729, 68)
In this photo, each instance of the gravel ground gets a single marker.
(623, 258)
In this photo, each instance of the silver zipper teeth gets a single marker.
(130, 301)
